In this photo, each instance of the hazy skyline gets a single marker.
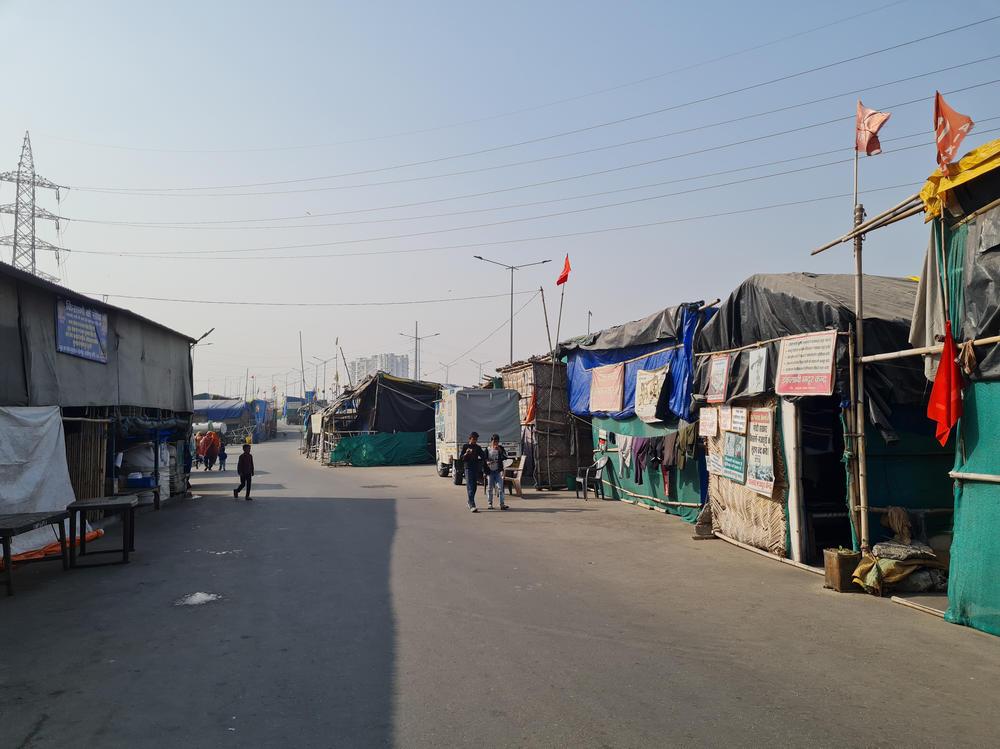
(336, 153)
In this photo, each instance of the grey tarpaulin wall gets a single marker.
(148, 365)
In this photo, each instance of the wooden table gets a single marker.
(17, 523)
(124, 504)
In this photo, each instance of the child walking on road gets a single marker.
(222, 456)
(245, 469)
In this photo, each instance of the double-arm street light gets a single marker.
(511, 268)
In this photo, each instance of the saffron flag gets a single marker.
(564, 276)
(945, 405)
(950, 129)
(866, 130)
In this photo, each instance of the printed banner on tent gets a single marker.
(713, 462)
(81, 331)
(805, 366)
(725, 418)
(760, 460)
(607, 385)
(718, 379)
(758, 370)
(648, 384)
(739, 420)
(734, 451)
(708, 422)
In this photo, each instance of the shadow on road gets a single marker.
(297, 650)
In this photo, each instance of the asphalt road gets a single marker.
(365, 607)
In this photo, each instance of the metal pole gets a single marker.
(416, 350)
(589, 315)
(511, 315)
(302, 364)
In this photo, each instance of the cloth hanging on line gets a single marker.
(648, 385)
(607, 388)
(669, 456)
(687, 443)
(640, 451)
(655, 451)
(624, 455)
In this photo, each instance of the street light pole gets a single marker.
(480, 365)
(511, 268)
(416, 348)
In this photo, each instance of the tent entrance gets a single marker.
(824, 480)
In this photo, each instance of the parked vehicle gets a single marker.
(464, 410)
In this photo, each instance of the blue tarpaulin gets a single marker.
(580, 362)
(219, 410)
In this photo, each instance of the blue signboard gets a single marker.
(81, 331)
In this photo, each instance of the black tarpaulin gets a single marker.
(664, 325)
(767, 307)
(981, 314)
(393, 404)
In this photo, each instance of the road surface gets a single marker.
(362, 607)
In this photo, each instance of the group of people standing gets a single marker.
(209, 447)
(478, 462)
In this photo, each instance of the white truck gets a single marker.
(462, 411)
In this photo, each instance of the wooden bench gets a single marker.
(17, 523)
(124, 504)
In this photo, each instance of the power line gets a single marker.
(488, 336)
(577, 131)
(592, 195)
(501, 115)
(697, 128)
(304, 304)
(519, 240)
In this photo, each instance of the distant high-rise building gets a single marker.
(397, 365)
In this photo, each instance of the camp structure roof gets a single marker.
(138, 363)
(664, 325)
(385, 403)
(220, 409)
(767, 307)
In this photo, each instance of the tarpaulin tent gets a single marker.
(387, 405)
(963, 259)
(662, 343)
(807, 506)
(221, 410)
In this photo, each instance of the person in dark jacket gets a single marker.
(245, 469)
(495, 456)
(474, 461)
(222, 456)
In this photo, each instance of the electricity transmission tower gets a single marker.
(25, 212)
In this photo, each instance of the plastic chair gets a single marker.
(512, 476)
(592, 477)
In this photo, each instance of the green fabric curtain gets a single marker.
(399, 449)
(685, 486)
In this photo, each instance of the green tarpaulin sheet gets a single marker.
(399, 449)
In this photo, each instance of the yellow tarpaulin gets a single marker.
(935, 192)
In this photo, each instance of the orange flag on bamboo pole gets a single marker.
(950, 128)
(866, 130)
(564, 276)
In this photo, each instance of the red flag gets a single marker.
(950, 128)
(866, 130)
(564, 276)
(945, 405)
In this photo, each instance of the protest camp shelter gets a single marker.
(118, 379)
(609, 366)
(549, 433)
(960, 284)
(253, 419)
(385, 420)
(790, 492)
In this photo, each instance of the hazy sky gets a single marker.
(328, 152)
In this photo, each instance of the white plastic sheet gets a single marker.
(34, 476)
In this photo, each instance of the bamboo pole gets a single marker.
(987, 478)
(545, 314)
(859, 402)
(852, 485)
(651, 499)
(907, 207)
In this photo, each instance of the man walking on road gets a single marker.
(474, 461)
(245, 469)
(495, 456)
